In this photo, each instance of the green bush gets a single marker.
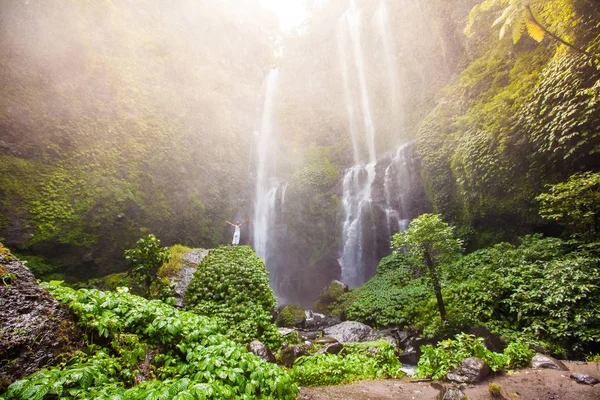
(231, 285)
(357, 361)
(145, 260)
(192, 359)
(330, 299)
(437, 361)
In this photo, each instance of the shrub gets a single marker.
(231, 285)
(145, 260)
(437, 361)
(357, 361)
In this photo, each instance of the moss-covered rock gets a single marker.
(291, 315)
(330, 298)
(36, 328)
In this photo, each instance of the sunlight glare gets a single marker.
(290, 13)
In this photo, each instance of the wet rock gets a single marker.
(290, 354)
(310, 335)
(285, 331)
(541, 361)
(36, 328)
(184, 276)
(332, 348)
(325, 340)
(584, 379)
(317, 321)
(470, 370)
(259, 349)
(351, 331)
(410, 358)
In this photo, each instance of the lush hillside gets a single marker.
(117, 118)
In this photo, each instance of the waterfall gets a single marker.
(397, 178)
(352, 17)
(356, 200)
(383, 28)
(266, 187)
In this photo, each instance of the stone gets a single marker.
(448, 392)
(184, 276)
(285, 331)
(290, 354)
(310, 335)
(325, 340)
(36, 328)
(542, 361)
(470, 370)
(259, 349)
(410, 358)
(584, 379)
(342, 285)
(331, 348)
(351, 331)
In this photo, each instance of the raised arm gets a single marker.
(243, 223)
(230, 223)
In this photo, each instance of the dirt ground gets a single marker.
(525, 384)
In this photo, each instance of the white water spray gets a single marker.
(266, 189)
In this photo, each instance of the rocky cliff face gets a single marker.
(35, 328)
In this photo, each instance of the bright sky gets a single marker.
(290, 13)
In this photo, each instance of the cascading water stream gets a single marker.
(383, 28)
(266, 188)
(396, 179)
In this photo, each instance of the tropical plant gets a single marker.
(522, 16)
(151, 351)
(367, 360)
(431, 242)
(574, 203)
(437, 361)
(145, 260)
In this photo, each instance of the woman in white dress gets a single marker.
(236, 233)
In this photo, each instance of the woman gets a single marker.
(236, 233)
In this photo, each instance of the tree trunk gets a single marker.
(436, 284)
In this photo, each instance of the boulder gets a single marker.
(181, 280)
(290, 354)
(331, 348)
(36, 328)
(541, 361)
(259, 349)
(310, 335)
(470, 370)
(584, 379)
(351, 331)
(448, 392)
(317, 321)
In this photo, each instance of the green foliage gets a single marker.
(290, 315)
(437, 361)
(574, 203)
(195, 360)
(145, 260)
(429, 240)
(231, 285)
(357, 361)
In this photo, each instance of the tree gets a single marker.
(145, 260)
(522, 16)
(574, 203)
(431, 242)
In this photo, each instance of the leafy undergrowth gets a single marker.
(190, 358)
(231, 285)
(545, 290)
(357, 361)
(437, 361)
